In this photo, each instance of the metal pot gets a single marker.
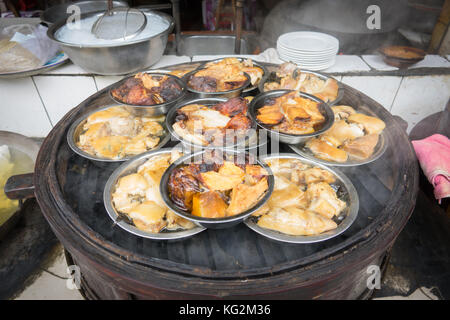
(156, 109)
(117, 58)
(259, 102)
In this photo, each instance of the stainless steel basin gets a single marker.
(191, 45)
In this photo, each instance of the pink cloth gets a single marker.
(434, 158)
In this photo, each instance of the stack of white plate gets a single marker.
(309, 50)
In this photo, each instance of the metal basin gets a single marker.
(210, 45)
(118, 58)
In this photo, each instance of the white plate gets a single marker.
(308, 41)
(310, 53)
(316, 59)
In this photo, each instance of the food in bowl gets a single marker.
(220, 78)
(116, 133)
(242, 65)
(222, 124)
(291, 113)
(289, 76)
(217, 186)
(137, 196)
(304, 201)
(145, 89)
(353, 136)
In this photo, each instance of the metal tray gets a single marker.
(345, 218)
(380, 148)
(128, 168)
(77, 126)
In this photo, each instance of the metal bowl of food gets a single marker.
(236, 92)
(273, 77)
(261, 99)
(252, 86)
(113, 57)
(378, 150)
(191, 143)
(59, 12)
(124, 221)
(78, 128)
(345, 191)
(174, 181)
(157, 108)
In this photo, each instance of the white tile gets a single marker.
(68, 68)
(170, 60)
(380, 88)
(212, 57)
(376, 62)
(21, 109)
(348, 63)
(431, 61)
(104, 81)
(63, 93)
(419, 97)
(49, 287)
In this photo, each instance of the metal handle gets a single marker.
(20, 186)
(238, 23)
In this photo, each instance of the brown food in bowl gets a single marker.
(217, 187)
(402, 52)
(245, 65)
(222, 124)
(145, 89)
(292, 114)
(220, 78)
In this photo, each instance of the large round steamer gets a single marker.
(226, 263)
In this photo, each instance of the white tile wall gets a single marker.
(380, 88)
(62, 93)
(419, 97)
(104, 81)
(21, 109)
(376, 62)
(25, 110)
(345, 63)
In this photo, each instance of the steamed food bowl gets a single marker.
(113, 57)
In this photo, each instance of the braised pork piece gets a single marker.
(291, 114)
(289, 76)
(353, 136)
(146, 89)
(218, 125)
(217, 187)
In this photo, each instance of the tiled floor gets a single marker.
(52, 283)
